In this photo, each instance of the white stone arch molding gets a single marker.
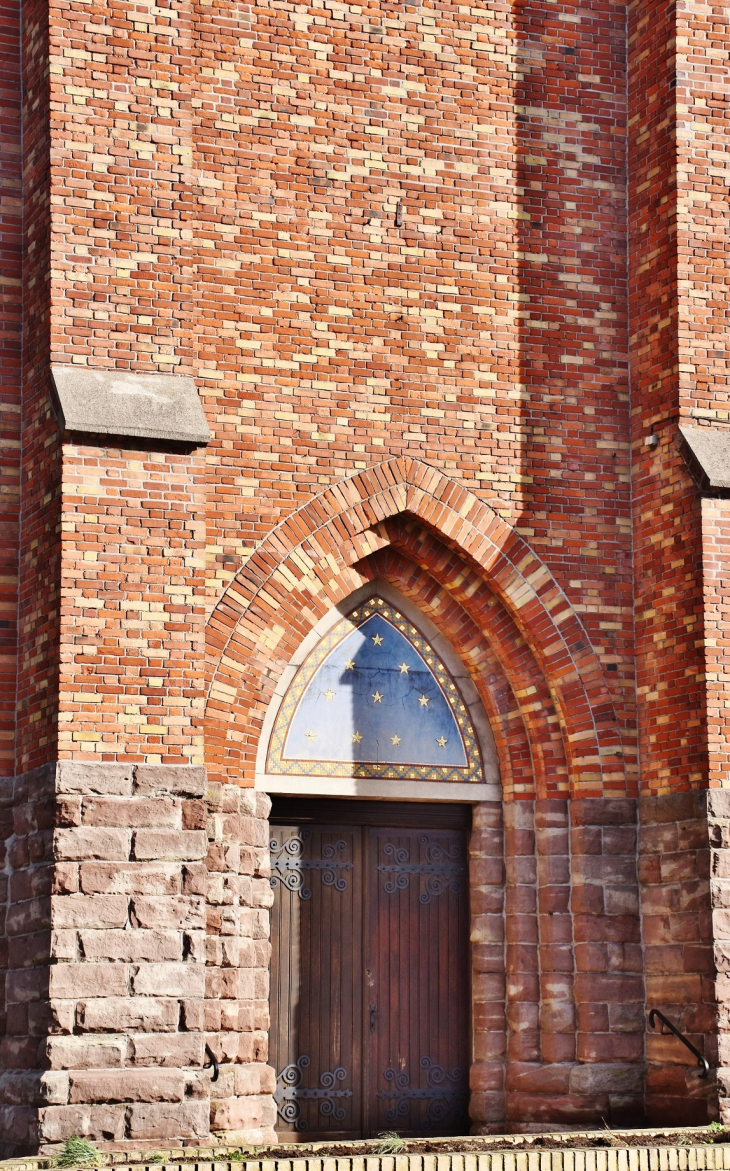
(383, 789)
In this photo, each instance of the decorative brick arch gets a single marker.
(308, 564)
(504, 671)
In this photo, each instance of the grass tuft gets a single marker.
(78, 1152)
(390, 1143)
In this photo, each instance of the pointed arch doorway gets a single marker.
(370, 971)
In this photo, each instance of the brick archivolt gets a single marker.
(507, 717)
(502, 664)
(317, 556)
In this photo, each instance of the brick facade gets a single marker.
(448, 279)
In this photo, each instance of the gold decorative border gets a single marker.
(473, 772)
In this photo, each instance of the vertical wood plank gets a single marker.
(316, 1000)
(418, 1061)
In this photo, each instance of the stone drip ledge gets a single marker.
(697, 1155)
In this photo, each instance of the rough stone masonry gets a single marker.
(297, 298)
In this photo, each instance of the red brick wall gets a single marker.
(10, 385)
(678, 82)
(678, 232)
(571, 321)
(391, 246)
(716, 605)
(39, 565)
(703, 228)
(667, 530)
(10, 372)
(225, 187)
(219, 199)
(132, 643)
(703, 246)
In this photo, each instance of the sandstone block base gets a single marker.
(137, 936)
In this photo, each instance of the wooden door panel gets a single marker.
(369, 998)
(316, 995)
(417, 1055)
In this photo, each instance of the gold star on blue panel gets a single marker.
(373, 681)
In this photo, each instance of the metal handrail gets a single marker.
(212, 1064)
(701, 1059)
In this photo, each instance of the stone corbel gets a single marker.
(706, 451)
(113, 402)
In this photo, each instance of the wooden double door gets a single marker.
(370, 996)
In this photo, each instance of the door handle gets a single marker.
(373, 1018)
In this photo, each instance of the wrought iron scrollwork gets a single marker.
(443, 869)
(288, 863)
(443, 1092)
(290, 1093)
